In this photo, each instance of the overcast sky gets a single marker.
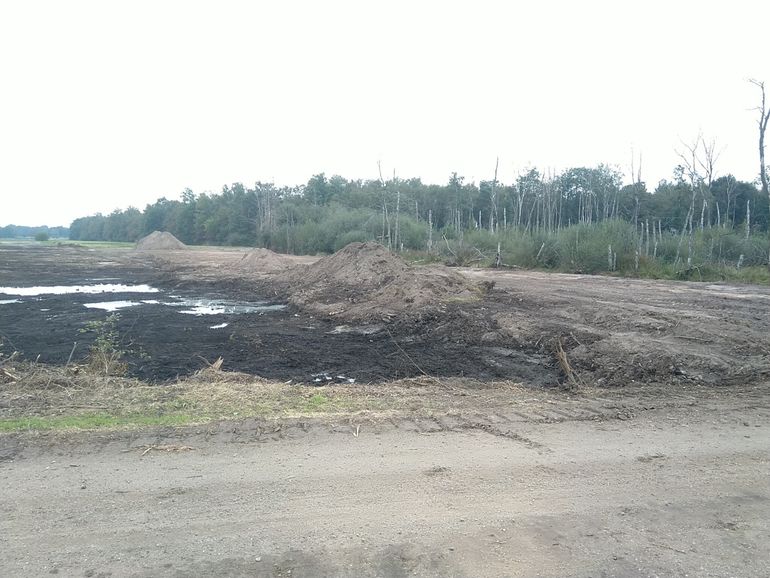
(108, 104)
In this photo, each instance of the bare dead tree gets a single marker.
(399, 243)
(636, 180)
(430, 230)
(690, 164)
(748, 219)
(764, 117)
(385, 216)
(493, 199)
(729, 189)
(707, 159)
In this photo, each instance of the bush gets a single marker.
(106, 354)
(42, 236)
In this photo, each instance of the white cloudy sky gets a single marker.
(107, 104)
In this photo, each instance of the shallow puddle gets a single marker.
(198, 306)
(72, 289)
(211, 307)
(194, 306)
(111, 305)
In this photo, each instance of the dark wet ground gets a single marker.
(164, 343)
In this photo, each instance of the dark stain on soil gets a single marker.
(289, 344)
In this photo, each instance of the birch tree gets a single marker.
(764, 117)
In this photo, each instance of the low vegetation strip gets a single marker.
(35, 397)
(53, 398)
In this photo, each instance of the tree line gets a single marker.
(562, 220)
(18, 231)
(328, 212)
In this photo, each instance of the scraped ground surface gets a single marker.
(614, 331)
(643, 488)
(657, 466)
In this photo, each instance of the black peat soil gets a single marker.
(163, 344)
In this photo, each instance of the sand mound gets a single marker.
(365, 282)
(264, 261)
(159, 241)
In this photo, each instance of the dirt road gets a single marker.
(676, 490)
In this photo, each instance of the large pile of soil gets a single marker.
(365, 282)
(159, 241)
(264, 261)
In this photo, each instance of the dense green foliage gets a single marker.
(570, 221)
(19, 231)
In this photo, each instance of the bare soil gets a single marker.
(294, 344)
(623, 331)
(629, 483)
(265, 261)
(366, 283)
(400, 321)
(656, 464)
(159, 241)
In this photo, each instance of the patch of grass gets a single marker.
(317, 400)
(91, 244)
(56, 242)
(54, 398)
(221, 399)
(90, 422)
(649, 269)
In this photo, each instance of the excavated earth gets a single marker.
(363, 314)
(657, 467)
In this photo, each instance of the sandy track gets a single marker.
(679, 490)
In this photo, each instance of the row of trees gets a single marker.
(327, 213)
(17, 231)
(564, 219)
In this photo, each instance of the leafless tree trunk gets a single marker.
(748, 219)
(493, 198)
(764, 117)
(647, 237)
(708, 160)
(729, 191)
(387, 221)
(636, 178)
(430, 230)
(692, 159)
(398, 214)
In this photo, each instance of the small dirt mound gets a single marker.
(364, 282)
(264, 261)
(159, 241)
